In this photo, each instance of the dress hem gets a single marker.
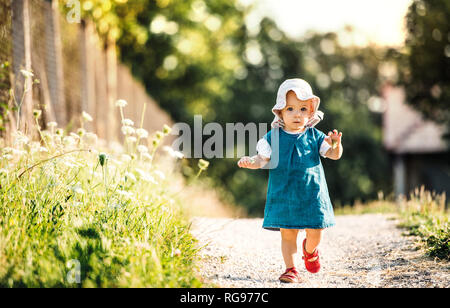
(277, 227)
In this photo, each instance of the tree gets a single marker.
(183, 51)
(426, 76)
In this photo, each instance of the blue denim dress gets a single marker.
(297, 193)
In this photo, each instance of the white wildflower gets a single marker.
(176, 252)
(34, 147)
(166, 129)
(86, 116)
(96, 174)
(81, 132)
(146, 156)
(37, 113)
(20, 138)
(142, 149)
(125, 158)
(131, 139)
(127, 122)
(68, 141)
(160, 174)
(124, 193)
(7, 156)
(69, 164)
(114, 205)
(46, 135)
(77, 222)
(143, 245)
(26, 74)
(7, 150)
(115, 161)
(150, 179)
(159, 135)
(43, 149)
(178, 154)
(130, 176)
(172, 152)
(52, 124)
(146, 177)
(74, 136)
(141, 133)
(128, 130)
(16, 152)
(77, 189)
(121, 103)
(94, 152)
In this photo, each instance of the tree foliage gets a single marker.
(426, 75)
(183, 51)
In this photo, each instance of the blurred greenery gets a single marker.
(199, 57)
(426, 75)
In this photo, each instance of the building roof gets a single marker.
(404, 129)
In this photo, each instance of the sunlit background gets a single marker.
(379, 22)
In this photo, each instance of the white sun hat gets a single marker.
(304, 92)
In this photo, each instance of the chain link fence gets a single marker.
(77, 71)
(5, 61)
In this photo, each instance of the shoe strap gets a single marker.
(310, 255)
(291, 270)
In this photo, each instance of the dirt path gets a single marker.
(360, 251)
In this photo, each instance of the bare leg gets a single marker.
(289, 246)
(313, 238)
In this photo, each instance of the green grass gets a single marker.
(90, 219)
(424, 214)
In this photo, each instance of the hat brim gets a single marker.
(281, 105)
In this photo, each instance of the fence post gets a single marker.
(101, 91)
(87, 70)
(54, 61)
(111, 84)
(21, 48)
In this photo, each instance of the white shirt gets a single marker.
(263, 147)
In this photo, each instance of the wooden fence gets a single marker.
(77, 71)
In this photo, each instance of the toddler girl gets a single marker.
(297, 193)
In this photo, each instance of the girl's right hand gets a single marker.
(246, 162)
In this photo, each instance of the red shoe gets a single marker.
(290, 275)
(312, 263)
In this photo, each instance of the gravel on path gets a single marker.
(360, 251)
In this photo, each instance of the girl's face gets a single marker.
(296, 113)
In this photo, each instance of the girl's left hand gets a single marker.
(334, 138)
